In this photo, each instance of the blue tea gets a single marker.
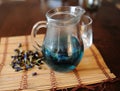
(64, 55)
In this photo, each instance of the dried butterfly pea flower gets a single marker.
(25, 60)
(34, 74)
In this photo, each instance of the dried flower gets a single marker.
(25, 60)
(34, 74)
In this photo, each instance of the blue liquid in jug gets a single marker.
(62, 59)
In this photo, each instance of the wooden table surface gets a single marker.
(17, 17)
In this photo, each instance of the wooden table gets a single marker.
(17, 17)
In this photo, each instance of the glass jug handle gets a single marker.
(35, 29)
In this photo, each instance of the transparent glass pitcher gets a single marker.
(62, 46)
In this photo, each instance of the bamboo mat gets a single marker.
(91, 70)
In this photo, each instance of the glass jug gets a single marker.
(62, 46)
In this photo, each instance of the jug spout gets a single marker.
(80, 11)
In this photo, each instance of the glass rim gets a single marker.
(59, 9)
